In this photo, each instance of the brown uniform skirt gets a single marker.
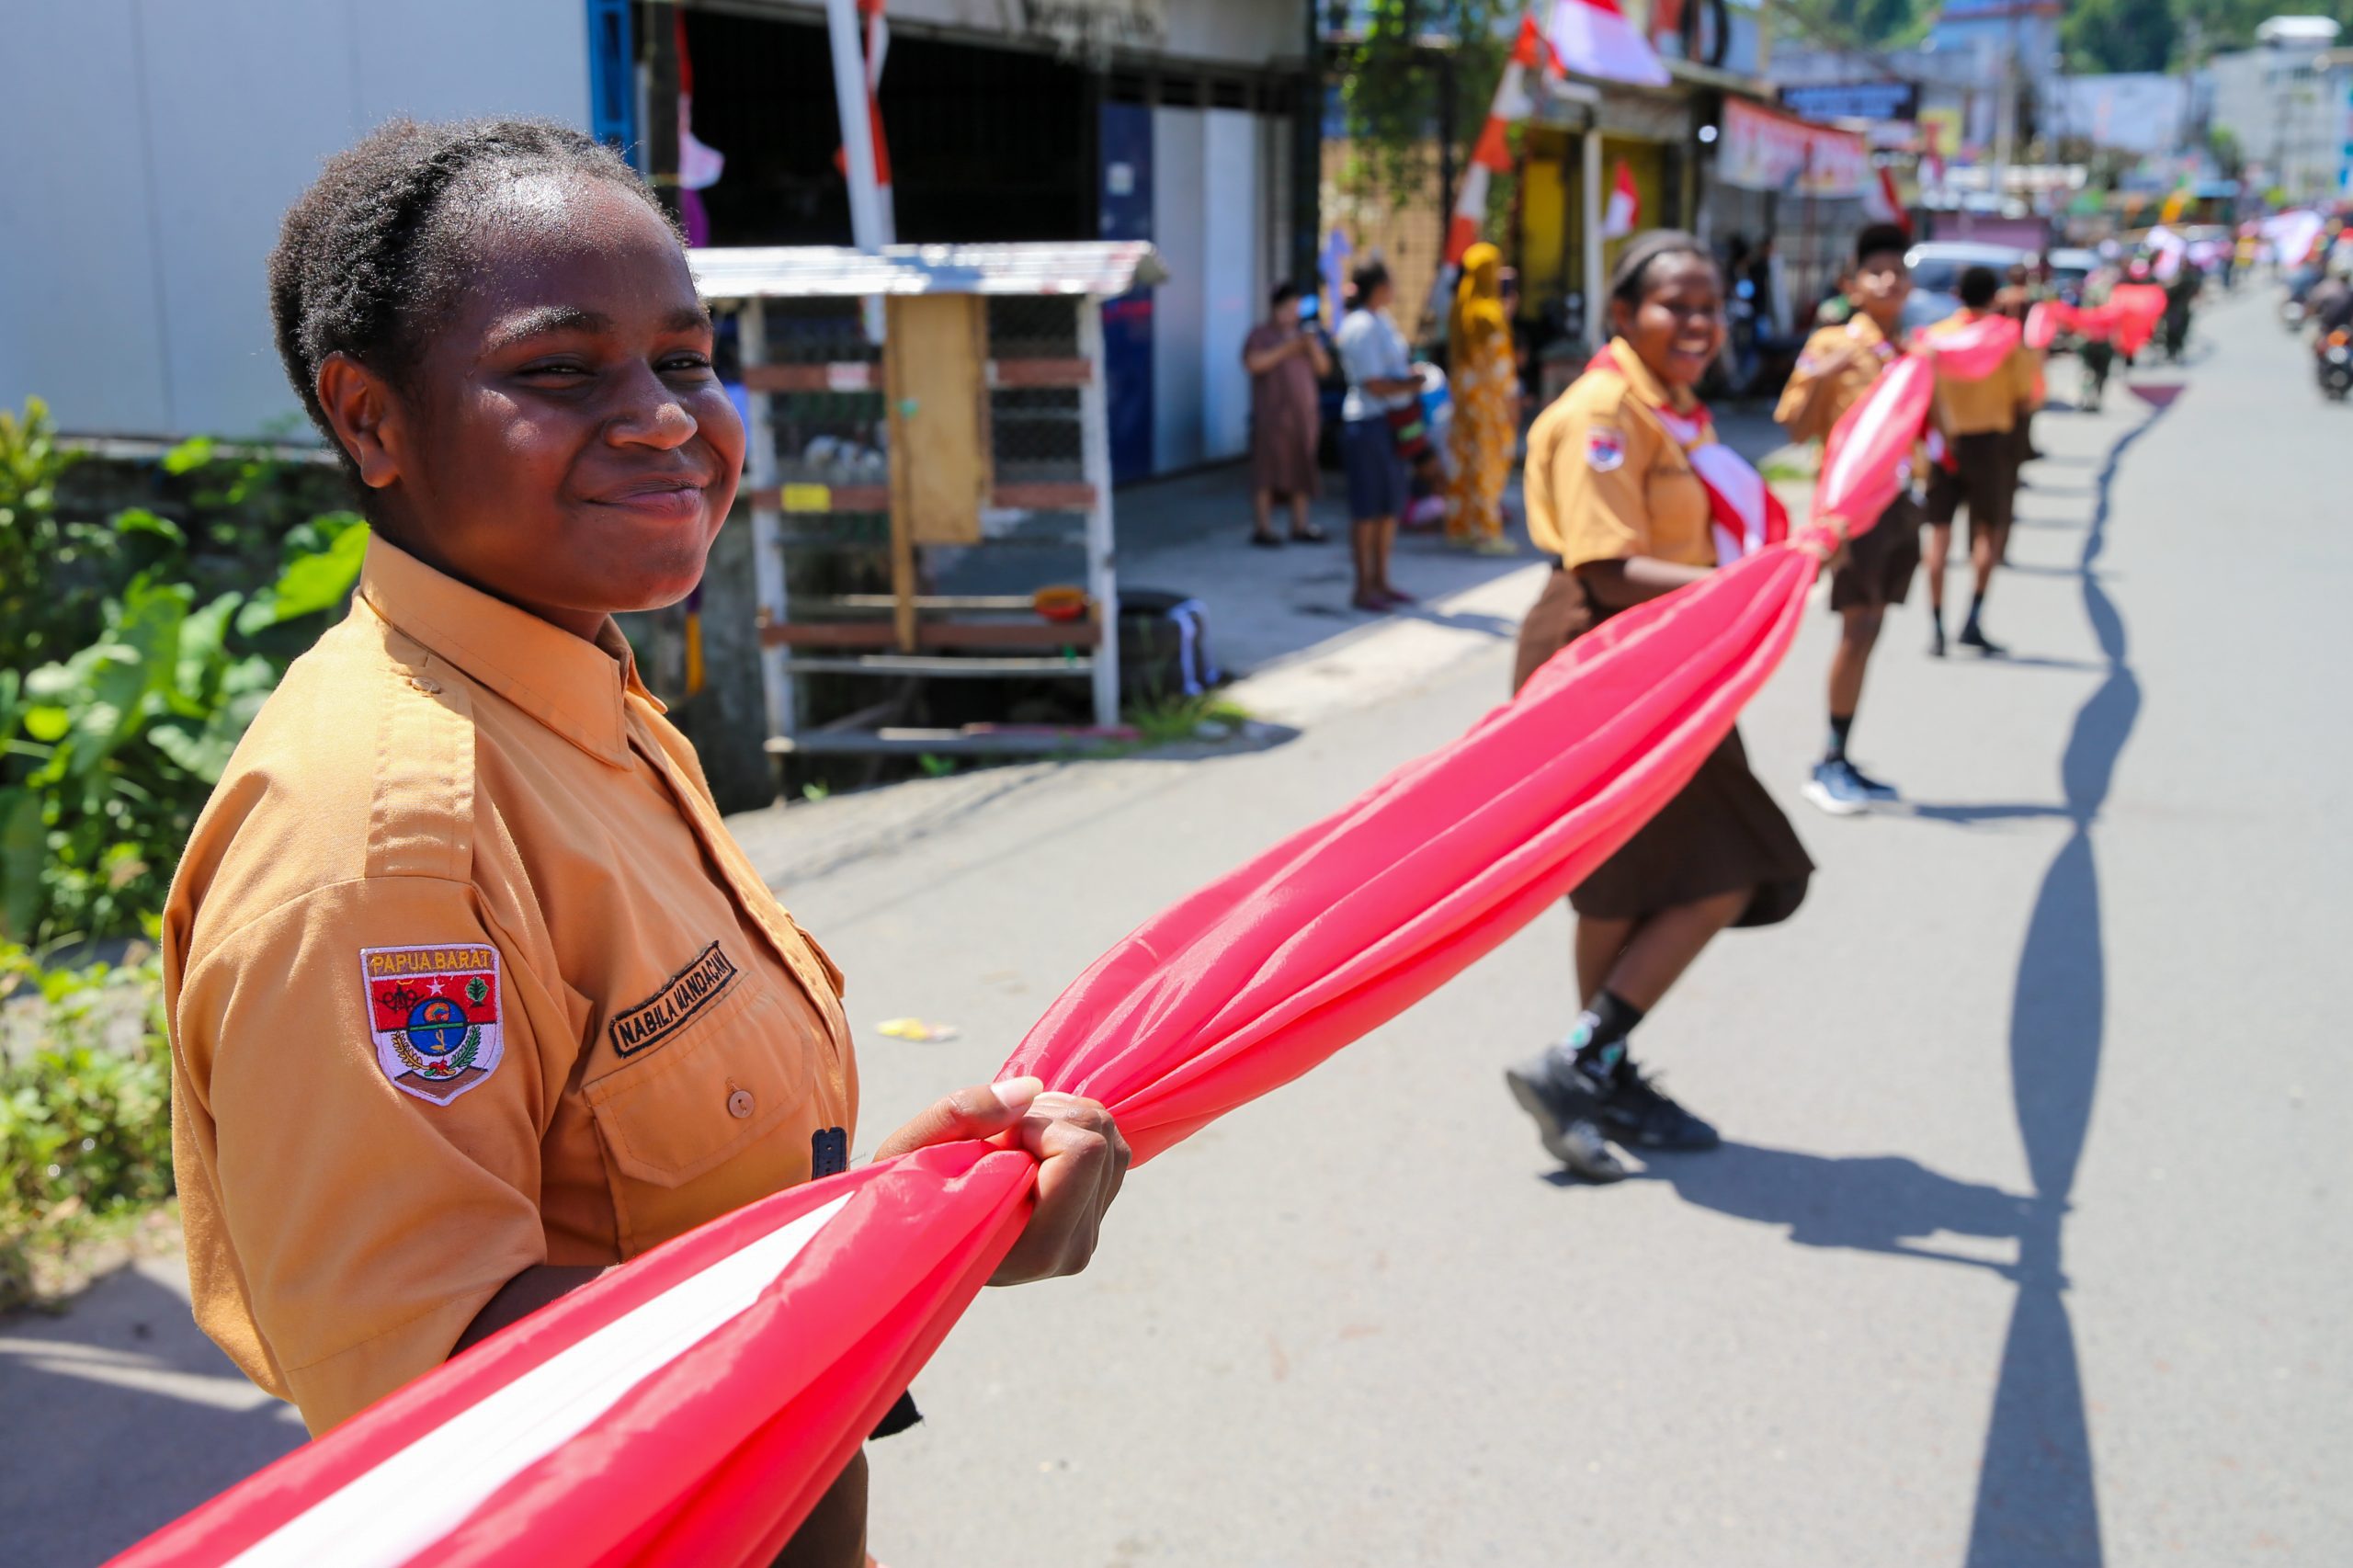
(1721, 832)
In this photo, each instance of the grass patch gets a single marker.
(1786, 470)
(1207, 717)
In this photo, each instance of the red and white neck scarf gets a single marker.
(1743, 511)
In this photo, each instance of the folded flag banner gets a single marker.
(692, 1407)
(1594, 39)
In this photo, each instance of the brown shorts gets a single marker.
(1985, 477)
(1880, 561)
(1721, 832)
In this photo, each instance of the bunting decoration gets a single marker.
(1624, 213)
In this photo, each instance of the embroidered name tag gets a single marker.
(670, 1010)
(433, 1013)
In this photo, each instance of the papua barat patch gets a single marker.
(674, 1007)
(433, 1013)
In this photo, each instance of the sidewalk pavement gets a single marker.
(1279, 619)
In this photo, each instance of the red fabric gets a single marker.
(718, 1452)
(2139, 308)
(1493, 149)
(1973, 351)
(1864, 461)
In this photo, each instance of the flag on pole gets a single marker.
(877, 45)
(1532, 65)
(1624, 213)
(1592, 38)
(1881, 204)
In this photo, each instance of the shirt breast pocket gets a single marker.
(716, 1116)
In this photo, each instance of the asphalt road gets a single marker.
(2027, 1243)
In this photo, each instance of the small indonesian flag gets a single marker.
(1880, 203)
(1592, 38)
(1625, 209)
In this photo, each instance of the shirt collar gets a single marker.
(575, 688)
(1647, 387)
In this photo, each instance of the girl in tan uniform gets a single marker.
(1611, 491)
(471, 995)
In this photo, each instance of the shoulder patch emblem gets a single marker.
(682, 997)
(433, 1012)
(1604, 449)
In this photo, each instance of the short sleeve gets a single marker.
(361, 1077)
(1819, 350)
(1599, 464)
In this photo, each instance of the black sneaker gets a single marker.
(1971, 637)
(1937, 641)
(1561, 1100)
(1634, 1111)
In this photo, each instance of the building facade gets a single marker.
(2288, 103)
(174, 137)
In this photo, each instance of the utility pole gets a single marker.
(662, 103)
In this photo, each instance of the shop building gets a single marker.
(137, 309)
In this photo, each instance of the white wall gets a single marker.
(1179, 232)
(1230, 278)
(1209, 222)
(167, 138)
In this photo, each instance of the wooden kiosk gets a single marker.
(972, 438)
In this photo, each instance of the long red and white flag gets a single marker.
(690, 1407)
(1624, 213)
(1594, 39)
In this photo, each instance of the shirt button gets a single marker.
(739, 1104)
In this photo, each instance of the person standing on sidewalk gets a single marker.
(471, 996)
(1975, 419)
(1613, 493)
(1837, 367)
(1484, 382)
(1286, 360)
(1381, 379)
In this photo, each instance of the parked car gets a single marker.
(1936, 266)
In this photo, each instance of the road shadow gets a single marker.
(1876, 1203)
(121, 1417)
(2038, 1499)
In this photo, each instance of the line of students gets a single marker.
(1613, 493)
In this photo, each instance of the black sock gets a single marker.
(1598, 1039)
(1976, 607)
(1841, 726)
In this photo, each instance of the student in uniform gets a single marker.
(1979, 468)
(471, 995)
(1837, 367)
(1611, 493)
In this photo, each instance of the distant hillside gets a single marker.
(2101, 34)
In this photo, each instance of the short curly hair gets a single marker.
(375, 248)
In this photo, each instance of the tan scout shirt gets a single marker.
(1605, 478)
(1836, 367)
(1993, 402)
(465, 974)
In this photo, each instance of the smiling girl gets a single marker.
(1612, 492)
(472, 996)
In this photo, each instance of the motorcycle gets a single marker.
(2336, 365)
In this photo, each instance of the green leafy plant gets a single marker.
(85, 1113)
(1397, 78)
(126, 680)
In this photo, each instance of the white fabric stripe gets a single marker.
(416, 1497)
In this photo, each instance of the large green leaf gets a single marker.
(310, 583)
(24, 856)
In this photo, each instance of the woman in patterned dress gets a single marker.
(1485, 387)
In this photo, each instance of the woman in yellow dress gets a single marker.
(1484, 382)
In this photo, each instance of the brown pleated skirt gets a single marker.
(1721, 832)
